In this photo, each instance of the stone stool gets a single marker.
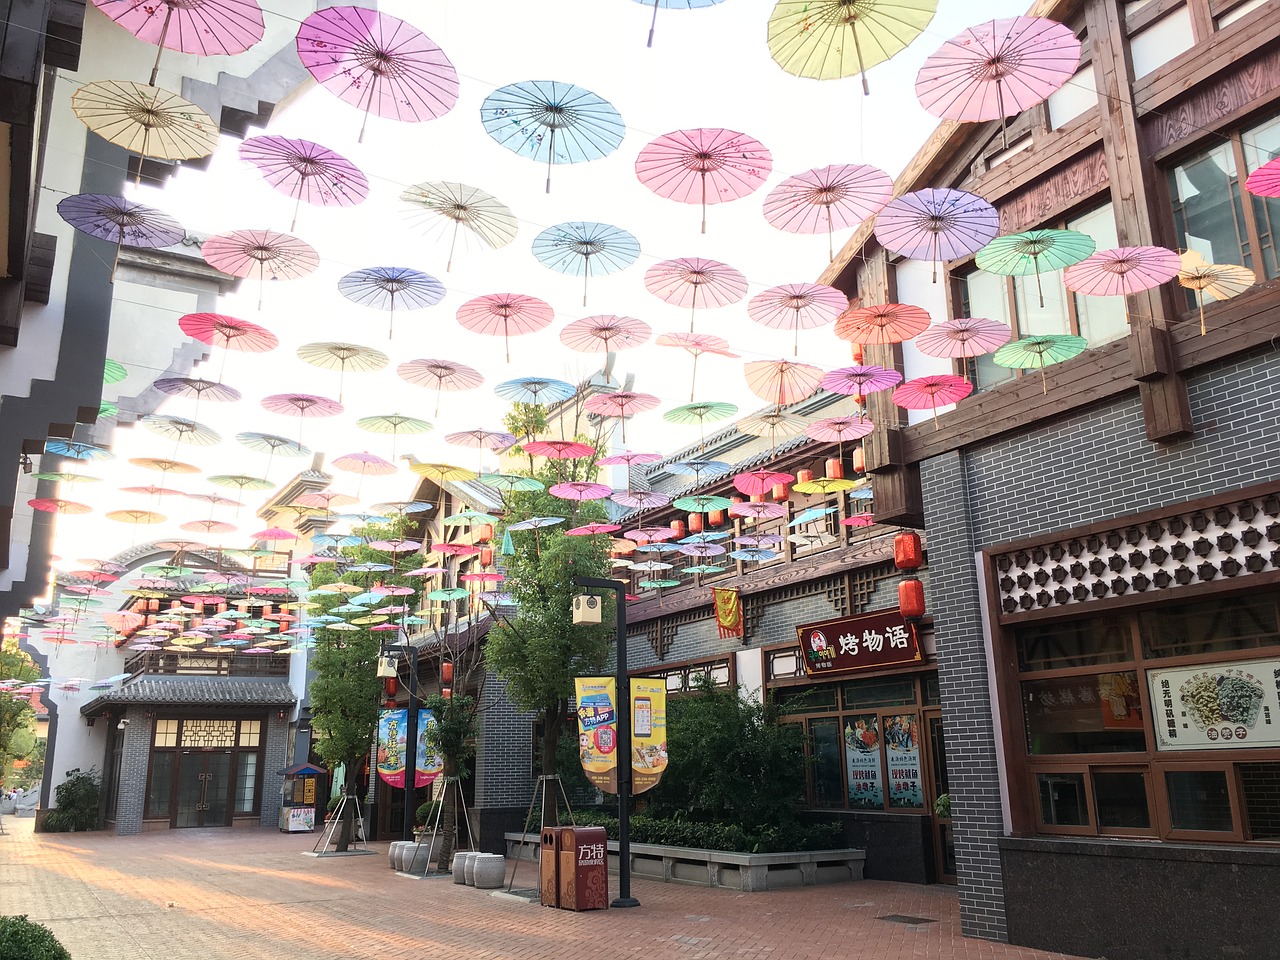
(393, 853)
(459, 861)
(468, 867)
(490, 870)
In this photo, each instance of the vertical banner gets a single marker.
(429, 763)
(902, 740)
(598, 730)
(648, 732)
(392, 741)
(862, 760)
(728, 606)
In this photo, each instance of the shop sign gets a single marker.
(871, 641)
(1217, 706)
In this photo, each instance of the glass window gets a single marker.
(807, 699)
(1041, 303)
(1239, 13)
(1062, 800)
(160, 787)
(1159, 43)
(891, 692)
(932, 692)
(985, 295)
(1214, 626)
(862, 757)
(1100, 319)
(1262, 144)
(250, 731)
(1199, 800)
(1074, 643)
(1208, 215)
(826, 762)
(902, 748)
(1121, 799)
(166, 733)
(1099, 713)
(1260, 783)
(246, 782)
(1074, 98)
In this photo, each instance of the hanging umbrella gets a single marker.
(559, 449)
(674, 5)
(271, 444)
(700, 469)
(151, 490)
(301, 405)
(592, 529)
(343, 357)
(701, 550)
(1220, 281)
(229, 333)
(197, 389)
(579, 490)
(696, 344)
(641, 499)
(1034, 252)
(796, 307)
(605, 334)
(164, 466)
(829, 39)
(205, 28)
(584, 249)
(931, 392)
(136, 517)
(364, 463)
(468, 517)
(628, 459)
(963, 338)
(860, 380)
(774, 424)
(827, 199)
(757, 482)
(271, 255)
(214, 500)
(306, 171)
(511, 482)
(107, 409)
(63, 477)
(439, 375)
(378, 287)
(998, 69)
(552, 120)
(181, 430)
(701, 413)
(1122, 271)
(838, 430)
(781, 382)
(505, 315)
(824, 486)
(1265, 181)
(113, 371)
(394, 424)
(481, 438)
(120, 221)
(882, 323)
(273, 534)
(77, 450)
(464, 206)
(688, 281)
(704, 165)
(534, 390)
(620, 404)
(754, 554)
(56, 505)
(936, 225)
(441, 473)
(1037, 352)
(148, 121)
(377, 63)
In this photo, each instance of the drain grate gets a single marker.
(903, 918)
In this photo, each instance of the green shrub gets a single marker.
(23, 939)
(720, 836)
(425, 815)
(79, 799)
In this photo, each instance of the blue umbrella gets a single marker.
(552, 121)
(378, 287)
(808, 516)
(534, 390)
(674, 5)
(582, 249)
(77, 450)
(700, 468)
(758, 554)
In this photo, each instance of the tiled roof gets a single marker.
(202, 691)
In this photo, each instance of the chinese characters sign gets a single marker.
(392, 743)
(648, 732)
(862, 761)
(868, 642)
(1217, 706)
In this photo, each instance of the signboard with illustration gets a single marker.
(871, 641)
(1217, 706)
(902, 745)
(393, 741)
(430, 764)
(598, 730)
(862, 760)
(648, 732)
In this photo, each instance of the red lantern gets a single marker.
(911, 598)
(222, 607)
(484, 532)
(695, 523)
(907, 552)
(623, 548)
(859, 461)
(486, 556)
(804, 476)
(446, 672)
(780, 492)
(390, 686)
(679, 528)
(857, 353)
(446, 693)
(716, 518)
(835, 468)
(737, 499)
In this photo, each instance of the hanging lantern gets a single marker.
(907, 551)
(679, 528)
(911, 598)
(153, 605)
(859, 461)
(757, 498)
(390, 687)
(857, 354)
(780, 492)
(446, 693)
(486, 556)
(835, 468)
(446, 672)
(484, 533)
(221, 607)
(804, 476)
(695, 523)
(716, 518)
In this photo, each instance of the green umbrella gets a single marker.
(66, 477)
(657, 584)
(1037, 352)
(107, 409)
(394, 424)
(113, 371)
(448, 593)
(702, 503)
(703, 412)
(468, 517)
(1034, 251)
(510, 482)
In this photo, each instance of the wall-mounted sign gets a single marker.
(871, 641)
(1217, 706)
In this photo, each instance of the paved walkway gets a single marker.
(215, 894)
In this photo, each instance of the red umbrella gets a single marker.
(559, 449)
(704, 165)
(219, 330)
(439, 375)
(928, 393)
(274, 533)
(696, 344)
(883, 323)
(270, 255)
(828, 198)
(602, 334)
(620, 404)
(505, 315)
(454, 549)
(781, 382)
(55, 505)
(690, 281)
(858, 520)
(797, 306)
(760, 481)
(591, 529)
(580, 490)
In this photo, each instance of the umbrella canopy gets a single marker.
(511, 482)
(56, 505)
(829, 39)
(580, 490)
(1219, 280)
(151, 490)
(936, 225)
(121, 221)
(480, 213)
(882, 323)
(1034, 252)
(700, 469)
(929, 393)
(481, 438)
(838, 429)
(77, 450)
(621, 404)
(343, 357)
(585, 249)
(270, 255)
(696, 344)
(860, 380)
(439, 375)
(591, 529)
(559, 449)
(146, 120)
(963, 338)
(1037, 352)
(641, 499)
(162, 465)
(301, 405)
(693, 281)
(229, 333)
(63, 477)
(306, 171)
(704, 165)
(505, 315)
(552, 121)
(826, 199)
(378, 287)
(136, 516)
(774, 424)
(208, 526)
(205, 28)
(377, 63)
(113, 371)
(195, 388)
(781, 382)
(674, 5)
(534, 390)
(272, 444)
(1122, 271)
(605, 334)
(1265, 181)
(756, 482)
(796, 307)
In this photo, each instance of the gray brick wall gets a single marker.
(131, 794)
(504, 775)
(275, 759)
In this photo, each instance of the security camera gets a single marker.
(122, 724)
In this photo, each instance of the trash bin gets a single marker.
(549, 866)
(584, 875)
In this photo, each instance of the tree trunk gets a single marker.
(346, 830)
(553, 723)
(449, 814)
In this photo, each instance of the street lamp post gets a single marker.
(411, 737)
(624, 898)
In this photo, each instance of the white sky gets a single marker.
(707, 68)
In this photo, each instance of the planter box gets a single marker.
(747, 872)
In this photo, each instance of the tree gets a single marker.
(15, 709)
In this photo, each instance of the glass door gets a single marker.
(943, 839)
(204, 786)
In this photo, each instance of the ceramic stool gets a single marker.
(490, 870)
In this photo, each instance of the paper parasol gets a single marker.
(796, 307)
(464, 206)
(1222, 281)
(505, 315)
(205, 28)
(605, 333)
(936, 225)
(827, 199)
(439, 375)
(704, 165)
(306, 171)
(928, 393)
(585, 249)
(120, 221)
(1037, 352)
(882, 323)
(343, 357)
(693, 281)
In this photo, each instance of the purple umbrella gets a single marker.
(378, 287)
(121, 221)
(937, 225)
(306, 171)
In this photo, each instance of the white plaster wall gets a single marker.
(750, 669)
(916, 287)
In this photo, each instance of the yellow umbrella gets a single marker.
(830, 39)
(146, 120)
(1222, 281)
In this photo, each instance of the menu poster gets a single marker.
(1217, 706)
(648, 732)
(862, 759)
(902, 742)
(392, 741)
(598, 730)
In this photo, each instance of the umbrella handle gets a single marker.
(862, 72)
(703, 176)
(164, 31)
(551, 153)
(653, 23)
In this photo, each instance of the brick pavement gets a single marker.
(252, 895)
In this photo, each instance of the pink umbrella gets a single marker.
(365, 464)
(757, 510)
(688, 281)
(395, 546)
(860, 380)
(208, 526)
(1265, 181)
(306, 171)
(928, 393)
(937, 225)
(641, 499)
(591, 529)
(454, 549)
(439, 375)
(620, 404)
(559, 449)
(827, 199)
(696, 344)
(580, 490)
(426, 572)
(301, 405)
(325, 499)
(963, 338)
(274, 533)
(1123, 271)
(505, 315)
(378, 63)
(229, 333)
(838, 429)
(602, 334)
(388, 590)
(781, 382)
(858, 520)
(628, 459)
(882, 323)
(756, 482)
(704, 165)
(797, 306)
(271, 255)
(998, 69)
(651, 534)
(206, 28)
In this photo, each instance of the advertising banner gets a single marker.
(392, 740)
(871, 641)
(902, 743)
(598, 730)
(862, 757)
(728, 607)
(429, 763)
(648, 732)
(1217, 706)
